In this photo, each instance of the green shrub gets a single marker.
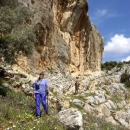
(126, 62)
(39, 49)
(3, 91)
(125, 78)
(16, 31)
(127, 84)
(10, 3)
(24, 39)
(108, 65)
(7, 48)
(120, 64)
(1, 81)
(18, 110)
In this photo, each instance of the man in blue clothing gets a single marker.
(40, 92)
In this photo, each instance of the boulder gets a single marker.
(106, 111)
(71, 119)
(78, 103)
(111, 120)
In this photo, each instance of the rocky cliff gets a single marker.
(66, 37)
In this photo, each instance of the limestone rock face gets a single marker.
(96, 49)
(67, 38)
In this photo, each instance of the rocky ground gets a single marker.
(101, 94)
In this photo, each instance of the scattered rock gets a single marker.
(78, 103)
(106, 111)
(71, 119)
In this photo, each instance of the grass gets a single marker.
(90, 94)
(76, 106)
(116, 99)
(55, 94)
(107, 91)
(82, 97)
(17, 78)
(93, 123)
(18, 112)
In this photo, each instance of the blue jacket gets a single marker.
(43, 85)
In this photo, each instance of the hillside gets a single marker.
(102, 101)
(18, 112)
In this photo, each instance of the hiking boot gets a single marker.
(48, 114)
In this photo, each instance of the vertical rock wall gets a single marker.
(66, 36)
(96, 49)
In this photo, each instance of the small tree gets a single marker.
(3, 90)
(125, 78)
(7, 48)
(16, 31)
(120, 64)
(108, 65)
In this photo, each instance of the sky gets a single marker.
(112, 18)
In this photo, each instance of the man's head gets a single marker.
(41, 75)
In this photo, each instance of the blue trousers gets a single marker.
(41, 98)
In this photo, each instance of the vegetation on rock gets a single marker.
(125, 78)
(16, 32)
(3, 91)
(93, 123)
(108, 65)
(18, 112)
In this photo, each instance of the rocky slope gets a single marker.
(66, 37)
(101, 94)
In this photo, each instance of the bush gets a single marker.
(125, 78)
(126, 62)
(111, 64)
(24, 39)
(108, 65)
(10, 3)
(16, 31)
(3, 90)
(7, 48)
(127, 84)
(120, 64)
(39, 49)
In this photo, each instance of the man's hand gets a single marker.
(34, 96)
(47, 92)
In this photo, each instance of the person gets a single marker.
(40, 93)
(76, 87)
